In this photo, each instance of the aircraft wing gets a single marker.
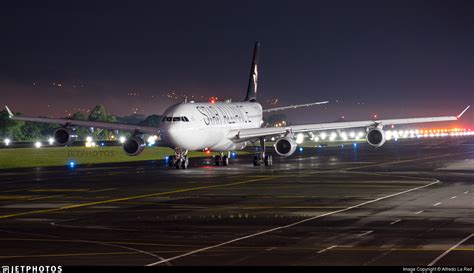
(85, 123)
(294, 106)
(249, 134)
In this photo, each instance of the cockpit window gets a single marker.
(175, 119)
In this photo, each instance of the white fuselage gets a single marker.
(197, 126)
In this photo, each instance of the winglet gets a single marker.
(10, 114)
(464, 111)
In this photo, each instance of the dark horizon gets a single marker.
(395, 59)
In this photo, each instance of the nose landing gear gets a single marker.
(180, 160)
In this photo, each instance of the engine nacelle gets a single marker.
(134, 146)
(64, 136)
(285, 146)
(376, 137)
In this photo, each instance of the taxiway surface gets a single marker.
(407, 203)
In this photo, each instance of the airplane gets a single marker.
(223, 127)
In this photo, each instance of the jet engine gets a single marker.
(64, 136)
(285, 146)
(134, 146)
(376, 137)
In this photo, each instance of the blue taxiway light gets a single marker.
(354, 145)
(72, 164)
(301, 149)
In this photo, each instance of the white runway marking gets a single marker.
(466, 192)
(453, 197)
(326, 249)
(450, 249)
(437, 204)
(365, 233)
(289, 225)
(132, 249)
(418, 212)
(396, 221)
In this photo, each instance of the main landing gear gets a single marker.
(179, 160)
(261, 158)
(222, 159)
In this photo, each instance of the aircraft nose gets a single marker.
(170, 133)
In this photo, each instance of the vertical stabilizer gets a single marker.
(253, 80)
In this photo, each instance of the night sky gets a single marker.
(393, 58)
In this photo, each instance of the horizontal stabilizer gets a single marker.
(294, 106)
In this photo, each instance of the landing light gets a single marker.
(7, 141)
(151, 140)
(51, 141)
(89, 139)
(299, 138)
(38, 144)
(122, 139)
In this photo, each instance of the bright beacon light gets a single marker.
(7, 141)
(38, 144)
